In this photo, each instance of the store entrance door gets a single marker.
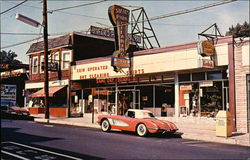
(126, 99)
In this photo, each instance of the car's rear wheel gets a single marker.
(105, 125)
(142, 130)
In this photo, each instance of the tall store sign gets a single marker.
(119, 18)
(206, 49)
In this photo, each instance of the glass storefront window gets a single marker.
(211, 99)
(215, 75)
(164, 94)
(146, 96)
(184, 77)
(198, 76)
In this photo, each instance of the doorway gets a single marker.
(121, 100)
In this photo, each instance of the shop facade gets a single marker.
(172, 82)
(64, 51)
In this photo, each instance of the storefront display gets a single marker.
(204, 98)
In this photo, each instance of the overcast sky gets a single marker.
(169, 31)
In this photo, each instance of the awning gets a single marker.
(52, 92)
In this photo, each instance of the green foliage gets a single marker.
(8, 57)
(239, 30)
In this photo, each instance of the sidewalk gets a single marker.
(189, 130)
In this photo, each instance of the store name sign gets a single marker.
(119, 18)
(99, 70)
(206, 63)
(110, 34)
(205, 48)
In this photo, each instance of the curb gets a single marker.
(185, 135)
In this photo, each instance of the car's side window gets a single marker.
(131, 114)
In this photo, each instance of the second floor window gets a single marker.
(66, 58)
(41, 64)
(35, 65)
(56, 57)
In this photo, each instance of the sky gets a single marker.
(169, 31)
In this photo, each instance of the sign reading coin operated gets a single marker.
(119, 18)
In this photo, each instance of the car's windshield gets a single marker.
(148, 115)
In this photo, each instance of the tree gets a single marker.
(8, 57)
(239, 30)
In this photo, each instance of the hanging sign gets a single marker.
(206, 63)
(119, 18)
(205, 48)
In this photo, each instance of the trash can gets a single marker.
(223, 124)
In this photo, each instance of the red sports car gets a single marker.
(140, 121)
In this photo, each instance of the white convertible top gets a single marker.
(139, 113)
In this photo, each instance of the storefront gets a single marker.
(57, 97)
(117, 95)
(171, 81)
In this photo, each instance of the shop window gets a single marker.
(146, 93)
(198, 76)
(215, 75)
(184, 77)
(56, 57)
(211, 99)
(35, 65)
(164, 98)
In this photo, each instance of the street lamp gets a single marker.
(45, 37)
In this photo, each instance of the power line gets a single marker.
(59, 9)
(17, 44)
(182, 25)
(190, 10)
(150, 19)
(13, 7)
(21, 34)
(82, 15)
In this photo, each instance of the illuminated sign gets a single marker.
(119, 18)
(121, 62)
(205, 48)
(110, 34)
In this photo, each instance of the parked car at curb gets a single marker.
(19, 111)
(142, 122)
(14, 110)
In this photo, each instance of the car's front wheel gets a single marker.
(105, 125)
(142, 130)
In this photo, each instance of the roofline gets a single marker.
(190, 45)
(41, 51)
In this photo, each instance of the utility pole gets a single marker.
(46, 75)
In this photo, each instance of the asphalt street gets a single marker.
(22, 139)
